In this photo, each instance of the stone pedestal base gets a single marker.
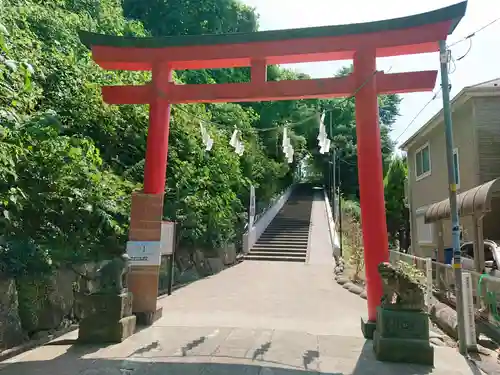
(403, 336)
(147, 318)
(93, 331)
(106, 318)
(368, 328)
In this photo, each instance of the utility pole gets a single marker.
(444, 57)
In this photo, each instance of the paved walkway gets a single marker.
(257, 318)
(320, 243)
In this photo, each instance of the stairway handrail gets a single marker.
(272, 202)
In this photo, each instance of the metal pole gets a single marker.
(171, 264)
(452, 187)
(340, 209)
(332, 189)
(334, 183)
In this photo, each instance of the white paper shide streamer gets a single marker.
(235, 142)
(207, 140)
(323, 141)
(287, 146)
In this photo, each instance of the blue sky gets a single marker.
(481, 64)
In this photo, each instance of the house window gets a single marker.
(423, 162)
(456, 167)
(424, 231)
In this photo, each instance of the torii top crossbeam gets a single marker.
(402, 36)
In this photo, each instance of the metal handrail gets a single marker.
(272, 202)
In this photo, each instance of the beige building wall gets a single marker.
(433, 188)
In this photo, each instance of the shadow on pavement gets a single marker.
(81, 360)
(367, 364)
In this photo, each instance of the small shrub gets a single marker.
(353, 248)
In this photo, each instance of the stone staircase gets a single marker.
(287, 237)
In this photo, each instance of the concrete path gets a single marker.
(255, 318)
(320, 249)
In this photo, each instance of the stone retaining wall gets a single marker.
(33, 308)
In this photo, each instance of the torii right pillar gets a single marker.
(371, 186)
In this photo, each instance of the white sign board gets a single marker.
(468, 311)
(144, 253)
(167, 237)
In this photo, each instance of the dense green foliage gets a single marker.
(396, 203)
(68, 162)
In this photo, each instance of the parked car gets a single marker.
(491, 257)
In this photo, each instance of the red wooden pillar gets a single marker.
(157, 144)
(147, 207)
(370, 174)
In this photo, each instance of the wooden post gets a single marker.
(371, 184)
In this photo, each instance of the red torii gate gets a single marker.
(361, 42)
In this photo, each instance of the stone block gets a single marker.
(95, 331)
(216, 265)
(403, 350)
(147, 318)
(403, 336)
(44, 302)
(105, 306)
(403, 324)
(145, 217)
(140, 234)
(143, 283)
(11, 332)
(368, 328)
(147, 207)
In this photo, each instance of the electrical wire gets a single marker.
(466, 53)
(474, 33)
(452, 70)
(417, 115)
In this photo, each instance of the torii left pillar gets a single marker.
(371, 186)
(147, 206)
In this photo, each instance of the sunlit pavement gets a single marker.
(254, 318)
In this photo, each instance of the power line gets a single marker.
(451, 61)
(466, 53)
(474, 33)
(418, 114)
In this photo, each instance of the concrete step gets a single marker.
(280, 249)
(298, 232)
(277, 254)
(287, 228)
(284, 241)
(289, 238)
(290, 225)
(274, 258)
(291, 245)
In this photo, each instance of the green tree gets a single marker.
(396, 203)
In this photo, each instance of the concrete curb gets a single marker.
(12, 352)
(332, 228)
(445, 318)
(350, 286)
